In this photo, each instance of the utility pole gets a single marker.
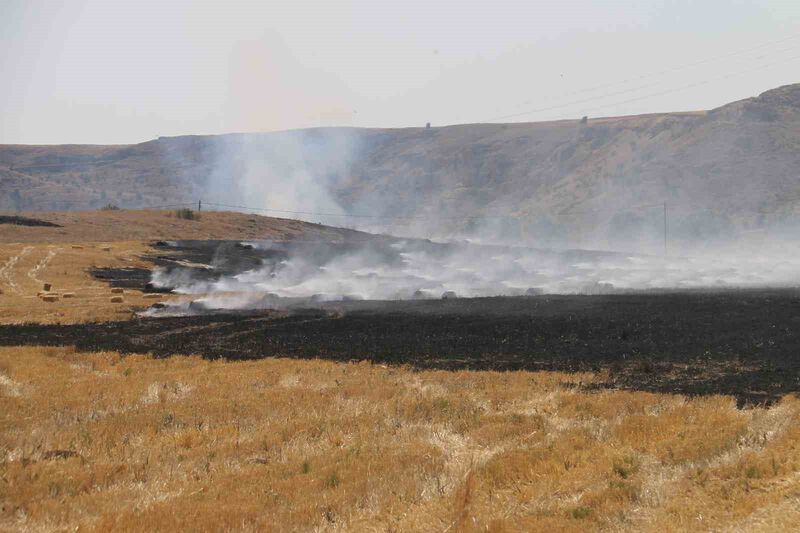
(199, 205)
(665, 229)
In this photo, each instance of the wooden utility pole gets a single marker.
(665, 229)
(199, 205)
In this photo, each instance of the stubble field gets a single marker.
(100, 440)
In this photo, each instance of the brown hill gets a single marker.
(720, 171)
(144, 225)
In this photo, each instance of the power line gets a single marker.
(688, 65)
(357, 215)
(697, 84)
(629, 90)
(590, 211)
(570, 213)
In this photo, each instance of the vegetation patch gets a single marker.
(186, 214)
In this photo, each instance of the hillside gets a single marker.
(728, 169)
(146, 225)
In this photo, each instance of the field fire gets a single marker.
(376, 299)
(482, 267)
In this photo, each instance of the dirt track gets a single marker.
(742, 343)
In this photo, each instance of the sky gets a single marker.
(113, 72)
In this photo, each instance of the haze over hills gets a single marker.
(603, 181)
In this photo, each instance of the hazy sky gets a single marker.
(100, 71)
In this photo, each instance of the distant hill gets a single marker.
(735, 168)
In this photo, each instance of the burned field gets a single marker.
(741, 343)
(26, 221)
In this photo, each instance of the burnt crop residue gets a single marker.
(26, 221)
(742, 343)
(128, 278)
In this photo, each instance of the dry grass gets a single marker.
(141, 225)
(97, 441)
(77, 297)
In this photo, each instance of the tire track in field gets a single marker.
(6, 272)
(41, 265)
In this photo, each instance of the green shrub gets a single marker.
(579, 513)
(626, 467)
(332, 481)
(186, 214)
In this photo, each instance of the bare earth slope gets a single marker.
(733, 167)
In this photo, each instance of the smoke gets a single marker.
(292, 174)
(597, 184)
(519, 193)
(392, 269)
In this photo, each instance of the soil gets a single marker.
(742, 343)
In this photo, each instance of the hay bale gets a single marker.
(152, 296)
(116, 299)
(105, 248)
(50, 297)
(68, 295)
(46, 286)
(117, 290)
(77, 247)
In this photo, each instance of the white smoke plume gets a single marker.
(409, 269)
(290, 173)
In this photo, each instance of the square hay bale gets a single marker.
(117, 290)
(68, 295)
(151, 296)
(77, 247)
(116, 299)
(105, 248)
(50, 297)
(46, 286)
